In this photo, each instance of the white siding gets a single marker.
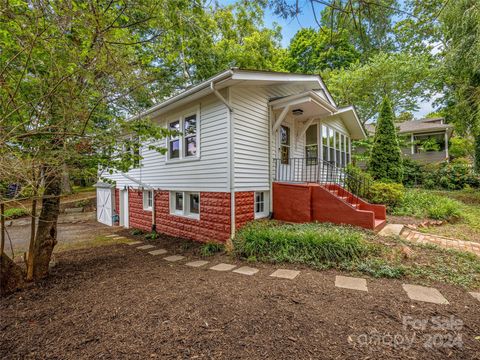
(208, 173)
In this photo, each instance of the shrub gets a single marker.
(152, 236)
(14, 213)
(311, 244)
(424, 204)
(211, 248)
(451, 176)
(460, 147)
(389, 194)
(413, 172)
(137, 232)
(385, 157)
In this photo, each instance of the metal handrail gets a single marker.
(352, 188)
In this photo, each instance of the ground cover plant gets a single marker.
(323, 246)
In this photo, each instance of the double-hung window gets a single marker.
(285, 144)
(183, 144)
(311, 146)
(185, 203)
(147, 200)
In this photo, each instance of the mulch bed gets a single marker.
(118, 302)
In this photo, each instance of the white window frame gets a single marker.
(147, 198)
(185, 212)
(266, 204)
(182, 137)
(289, 145)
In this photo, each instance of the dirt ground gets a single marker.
(116, 302)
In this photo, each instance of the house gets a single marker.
(426, 139)
(253, 143)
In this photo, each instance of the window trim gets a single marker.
(182, 138)
(266, 203)
(185, 212)
(145, 200)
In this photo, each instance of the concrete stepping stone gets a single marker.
(423, 293)
(223, 267)
(285, 274)
(391, 230)
(158, 252)
(246, 270)
(111, 235)
(476, 295)
(145, 247)
(197, 263)
(174, 258)
(352, 283)
(134, 243)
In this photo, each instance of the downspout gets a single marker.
(148, 187)
(231, 179)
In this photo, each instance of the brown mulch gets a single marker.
(117, 302)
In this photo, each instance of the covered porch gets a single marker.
(311, 137)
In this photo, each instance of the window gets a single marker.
(338, 146)
(183, 144)
(174, 141)
(261, 204)
(147, 200)
(185, 204)
(311, 146)
(284, 144)
(325, 142)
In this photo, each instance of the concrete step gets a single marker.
(380, 224)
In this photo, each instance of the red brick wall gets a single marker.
(213, 225)
(117, 201)
(244, 208)
(138, 218)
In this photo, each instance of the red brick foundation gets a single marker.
(244, 208)
(213, 225)
(138, 218)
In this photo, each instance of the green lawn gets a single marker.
(323, 246)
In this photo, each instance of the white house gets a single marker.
(243, 133)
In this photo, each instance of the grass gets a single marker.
(319, 245)
(211, 248)
(427, 204)
(324, 246)
(14, 213)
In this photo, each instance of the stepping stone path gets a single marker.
(423, 293)
(223, 267)
(134, 243)
(111, 235)
(246, 270)
(476, 295)
(174, 258)
(158, 252)
(352, 283)
(286, 274)
(145, 247)
(391, 230)
(197, 263)
(447, 243)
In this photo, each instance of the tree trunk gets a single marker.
(46, 237)
(11, 276)
(66, 186)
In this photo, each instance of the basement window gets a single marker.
(261, 204)
(185, 203)
(148, 200)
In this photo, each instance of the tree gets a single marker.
(312, 51)
(404, 116)
(404, 78)
(385, 161)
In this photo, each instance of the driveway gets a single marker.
(71, 228)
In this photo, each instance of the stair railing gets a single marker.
(350, 187)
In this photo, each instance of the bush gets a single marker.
(14, 213)
(413, 172)
(311, 244)
(211, 248)
(427, 205)
(451, 176)
(389, 194)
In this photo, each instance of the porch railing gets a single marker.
(354, 187)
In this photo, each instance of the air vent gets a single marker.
(297, 112)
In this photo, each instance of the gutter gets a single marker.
(231, 179)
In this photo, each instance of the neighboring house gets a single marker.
(252, 143)
(427, 139)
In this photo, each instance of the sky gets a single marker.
(305, 20)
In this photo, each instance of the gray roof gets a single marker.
(417, 126)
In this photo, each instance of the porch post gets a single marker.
(412, 145)
(446, 145)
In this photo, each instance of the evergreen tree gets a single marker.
(385, 157)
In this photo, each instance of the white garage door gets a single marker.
(105, 206)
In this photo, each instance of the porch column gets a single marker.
(413, 145)
(446, 145)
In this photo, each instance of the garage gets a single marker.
(105, 196)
